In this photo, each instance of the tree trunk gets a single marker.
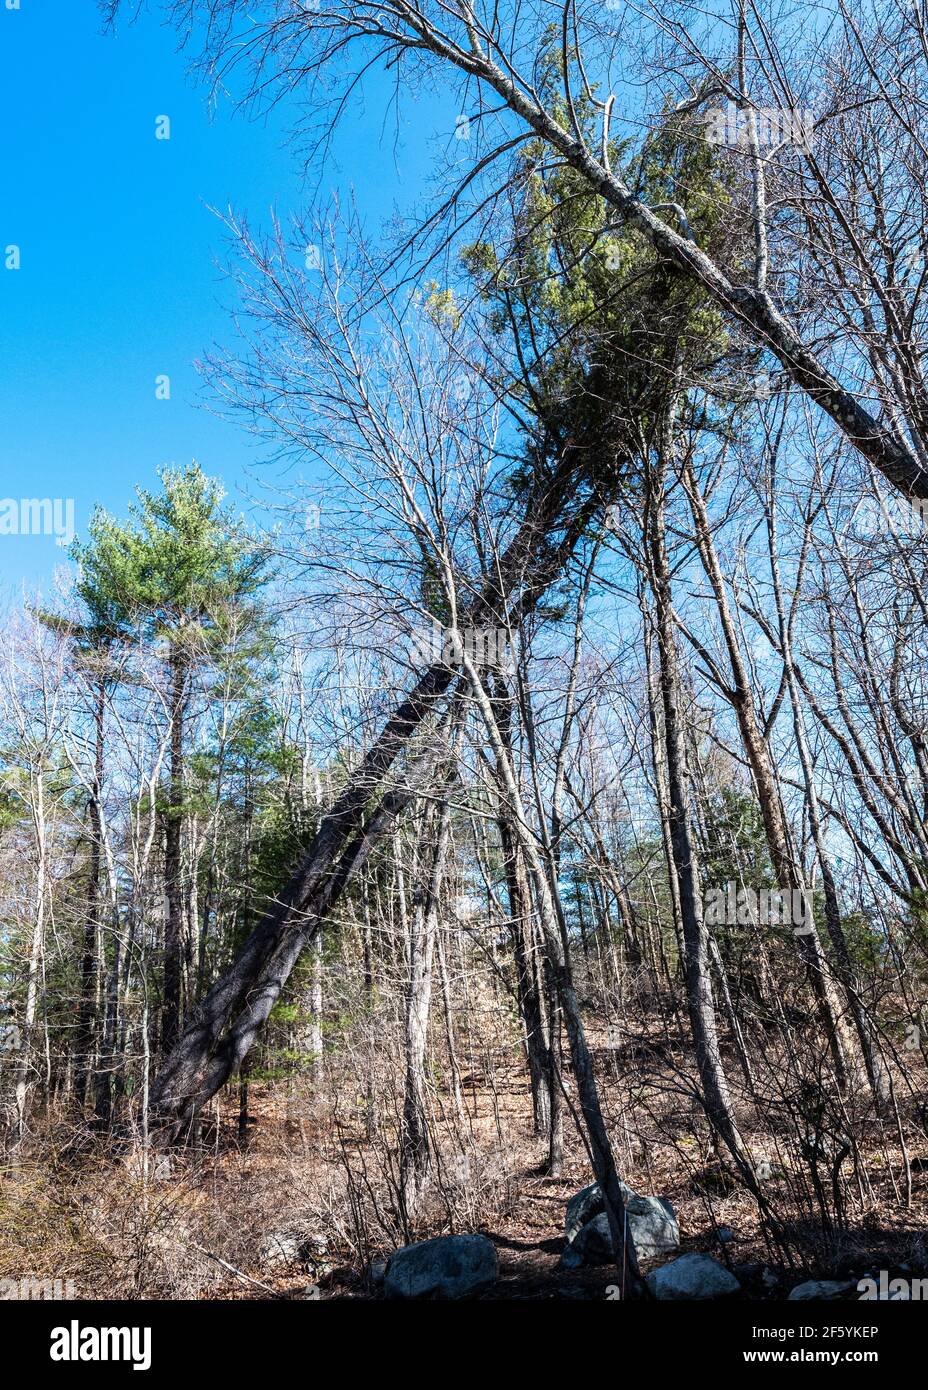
(87, 1030)
(415, 1145)
(173, 859)
(558, 958)
(36, 950)
(788, 874)
(700, 1004)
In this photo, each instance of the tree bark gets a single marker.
(174, 934)
(699, 998)
(415, 1144)
(87, 1031)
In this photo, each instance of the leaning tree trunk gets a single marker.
(224, 1025)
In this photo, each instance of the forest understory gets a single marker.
(321, 1193)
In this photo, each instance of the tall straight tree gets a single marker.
(179, 576)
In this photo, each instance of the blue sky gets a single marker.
(118, 280)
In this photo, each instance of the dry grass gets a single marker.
(71, 1209)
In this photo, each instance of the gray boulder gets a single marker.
(583, 1206)
(592, 1245)
(818, 1288)
(692, 1276)
(281, 1248)
(445, 1267)
(651, 1221)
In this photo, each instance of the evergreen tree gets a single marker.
(181, 578)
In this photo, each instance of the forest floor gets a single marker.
(716, 1216)
(196, 1225)
(529, 1239)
